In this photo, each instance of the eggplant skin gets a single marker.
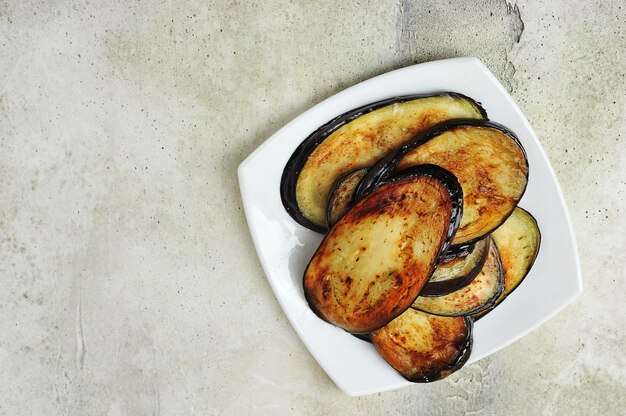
(486, 157)
(453, 275)
(363, 337)
(340, 198)
(424, 347)
(373, 263)
(518, 241)
(358, 139)
(457, 251)
(481, 294)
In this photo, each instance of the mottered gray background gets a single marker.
(128, 280)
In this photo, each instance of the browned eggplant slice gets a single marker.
(518, 241)
(452, 275)
(487, 159)
(373, 263)
(340, 197)
(358, 139)
(424, 347)
(479, 295)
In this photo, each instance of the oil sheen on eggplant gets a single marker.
(358, 139)
(456, 251)
(479, 295)
(487, 159)
(450, 276)
(424, 347)
(373, 263)
(518, 241)
(340, 197)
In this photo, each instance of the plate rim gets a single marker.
(242, 173)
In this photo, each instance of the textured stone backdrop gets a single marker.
(128, 280)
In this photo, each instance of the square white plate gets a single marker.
(285, 247)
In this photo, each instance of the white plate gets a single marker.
(285, 247)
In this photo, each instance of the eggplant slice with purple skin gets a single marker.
(340, 198)
(358, 139)
(487, 159)
(518, 241)
(424, 347)
(375, 260)
(457, 251)
(479, 295)
(450, 276)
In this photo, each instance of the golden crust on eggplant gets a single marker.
(491, 168)
(424, 347)
(363, 141)
(375, 260)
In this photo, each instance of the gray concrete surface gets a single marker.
(128, 280)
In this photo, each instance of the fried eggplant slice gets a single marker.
(358, 139)
(373, 263)
(518, 241)
(424, 347)
(450, 276)
(341, 194)
(487, 159)
(479, 295)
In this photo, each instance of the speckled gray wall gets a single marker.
(129, 284)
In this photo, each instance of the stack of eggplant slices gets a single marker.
(417, 196)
